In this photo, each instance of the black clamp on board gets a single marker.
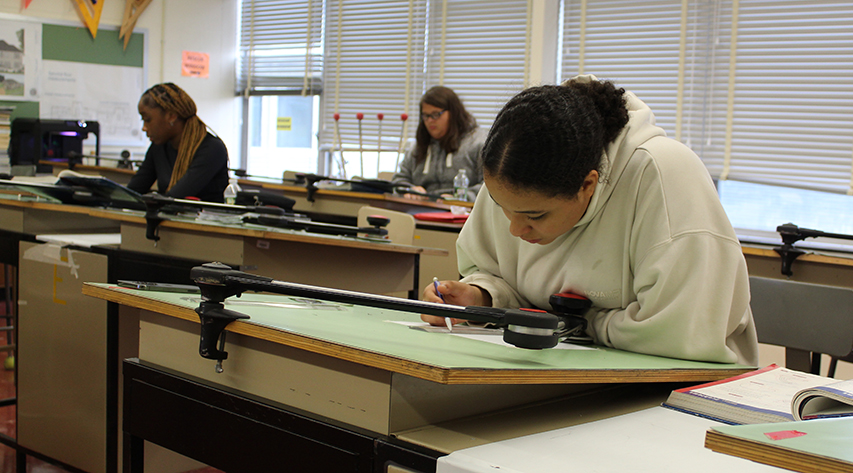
(357, 185)
(791, 234)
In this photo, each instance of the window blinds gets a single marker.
(479, 49)
(767, 86)
(792, 117)
(382, 56)
(374, 64)
(281, 43)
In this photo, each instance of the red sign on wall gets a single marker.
(195, 64)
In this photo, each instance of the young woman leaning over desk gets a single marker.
(584, 194)
(184, 159)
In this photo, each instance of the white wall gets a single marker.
(173, 26)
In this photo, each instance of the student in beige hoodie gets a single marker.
(584, 194)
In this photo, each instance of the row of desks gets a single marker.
(336, 402)
(342, 206)
(73, 344)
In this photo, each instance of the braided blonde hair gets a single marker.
(171, 98)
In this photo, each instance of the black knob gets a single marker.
(378, 220)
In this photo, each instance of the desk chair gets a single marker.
(833, 363)
(401, 228)
(806, 319)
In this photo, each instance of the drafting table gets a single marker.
(342, 378)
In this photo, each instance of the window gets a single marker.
(282, 134)
(761, 90)
(382, 56)
(280, 77)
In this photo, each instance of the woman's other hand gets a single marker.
(416, 196)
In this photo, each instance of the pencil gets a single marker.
(446, 319)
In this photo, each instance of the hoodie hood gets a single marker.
(639, 129)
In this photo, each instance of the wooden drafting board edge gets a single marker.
(590, 376)
(781, 457)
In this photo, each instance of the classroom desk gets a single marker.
(289, 255)
(817, 267)
(65, 338)
(336, 380)
(656, 440)
(332, 202)
(34, 218)
(341, 206)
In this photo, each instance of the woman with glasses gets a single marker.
(447, 140)
(584, 194)
(184, 159)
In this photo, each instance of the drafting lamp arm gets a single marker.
(217, 282)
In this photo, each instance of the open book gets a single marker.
(771, 394)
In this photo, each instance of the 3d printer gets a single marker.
(35, 139)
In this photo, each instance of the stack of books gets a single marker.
(785, 418)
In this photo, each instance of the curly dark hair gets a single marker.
(461, 122)
(548, 138)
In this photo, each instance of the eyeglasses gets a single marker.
(432, 116)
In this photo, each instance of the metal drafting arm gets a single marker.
(791, 234)
(155, 203)
(310, 182)
(534, 329)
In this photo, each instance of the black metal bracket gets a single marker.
(214, 318)
(155, 203)
(791, 234)
(375, 185)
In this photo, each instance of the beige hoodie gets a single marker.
(655, 253)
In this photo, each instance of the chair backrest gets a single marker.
(401, 228)
(803, 316)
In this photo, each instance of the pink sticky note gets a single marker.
(784, 434)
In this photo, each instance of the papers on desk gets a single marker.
(483, 334)
(220, 217)
(84, 240)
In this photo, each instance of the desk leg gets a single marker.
(415, 292)
(802, 360)
(134, 454)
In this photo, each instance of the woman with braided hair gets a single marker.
(184, 159)
(584, 194)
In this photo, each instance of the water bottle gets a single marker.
(231, 191)
(460, 186)
(460, 192)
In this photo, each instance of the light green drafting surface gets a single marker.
(374, 330)
(831, 438)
